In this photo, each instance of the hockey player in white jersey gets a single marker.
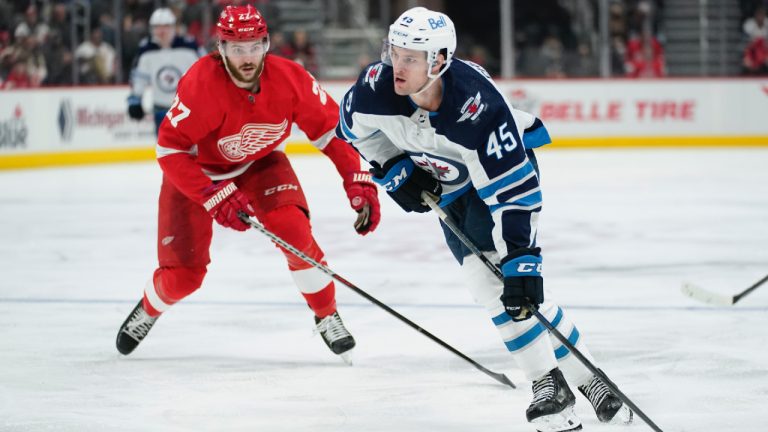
(162, 59)
(427, 121)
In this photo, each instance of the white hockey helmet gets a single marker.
(424, 30)
(162, 16)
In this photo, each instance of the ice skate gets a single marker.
(608, 407)
(134, 329)
(336, 336)
(552, 407)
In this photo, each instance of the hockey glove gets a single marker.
(405, 182)
(523, 285)
(135, 110)
(223, 201)
(363, 198)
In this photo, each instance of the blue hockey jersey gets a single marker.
(475, 139)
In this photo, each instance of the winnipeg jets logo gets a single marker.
(372, 75)
(251, 139)
(447, 171)
(471, 108)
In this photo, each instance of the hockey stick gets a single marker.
(543, 320)
(325, 269)
(705, 296)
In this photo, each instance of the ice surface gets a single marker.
(621, 231)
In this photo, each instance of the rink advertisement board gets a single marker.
(89, 124)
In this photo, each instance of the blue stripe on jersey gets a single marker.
(343, 123)
(526, 265)
(450, 197)
(526, 186)
(573, 339)
(536, 135)
(515, 176)
(526, 201)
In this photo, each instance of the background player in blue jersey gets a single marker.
(162, 59)
(427, 121)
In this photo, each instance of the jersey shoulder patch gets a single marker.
(374, 92)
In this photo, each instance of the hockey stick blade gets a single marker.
(716, 299)
(697, 293)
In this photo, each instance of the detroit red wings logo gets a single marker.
(252, 138)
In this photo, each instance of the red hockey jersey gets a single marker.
(215, 130)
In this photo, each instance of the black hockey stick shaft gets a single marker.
(501, 378)
(563, 340)
(738, 296)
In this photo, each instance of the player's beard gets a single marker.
(239, 77)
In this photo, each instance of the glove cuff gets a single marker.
(134, 100)
(525, 265)
(395, 172)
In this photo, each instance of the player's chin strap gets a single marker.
(432, 79)
(563, 340)
(325, 269)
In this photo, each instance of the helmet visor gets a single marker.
(402, 57)
(238, 49)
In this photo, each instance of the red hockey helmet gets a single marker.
(238, 23)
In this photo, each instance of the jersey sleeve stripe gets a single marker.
(348, 135)
(161, 151)
(516, 174)
(527, 202)
(528, 184)
(534, 137)
(450, 197)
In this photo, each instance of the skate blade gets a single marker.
(347, 357)
(565, 420)
(623, 416)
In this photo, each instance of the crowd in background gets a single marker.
(552, 39)
(36, 40)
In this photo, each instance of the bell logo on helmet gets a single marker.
(437, 23)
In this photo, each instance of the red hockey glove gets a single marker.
(361, 192)
(223, 201)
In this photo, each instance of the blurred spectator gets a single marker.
(32, 25)
(95, 60)
(618, 56)
(304, 51)
(18, 78)
(583, 63)
(279, 46)
(617, 21)
(645, 56)
(552, 54)
(755, 26)
(59, 23)
(755, 60)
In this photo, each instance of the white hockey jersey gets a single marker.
(475, 139)
(161, 68)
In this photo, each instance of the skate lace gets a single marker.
(139, 325)
(543, 389)
(331, 328)
(596, 391)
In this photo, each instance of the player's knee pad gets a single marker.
(484, 286)
(291, 224)
(172, 284)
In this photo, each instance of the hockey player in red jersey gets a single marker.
(220, 151)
